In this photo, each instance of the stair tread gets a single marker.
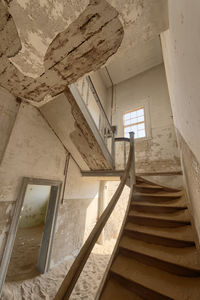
(148, 186)
(173, 286)
(157, 195)
(186, 257)
(179, 233)
(113, 290)
(180, 202)
(181, 215)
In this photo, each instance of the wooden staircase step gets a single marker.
(113, 291)
(144, 292)
(173, 237)
(151, 183)
(135, 287)
(155, 221)
(181, 215)
(148, 188)
(156, 197)
(179, 202)
(156, 280)
(181, 261)
(156, 208)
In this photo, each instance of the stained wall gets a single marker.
(8, 111)
(181, 49)
(158, 152)
(34, 150)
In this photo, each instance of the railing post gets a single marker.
(132, 166)
(124, 154)
(113, 149)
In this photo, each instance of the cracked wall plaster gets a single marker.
(74, 131)
(84, 46)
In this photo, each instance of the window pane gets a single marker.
(127, 116)
(131, 120)
(127, 122)
(141, 119)
(135, 120)
(140, 112)
(133, 114)
(141, 126)
(134, 128)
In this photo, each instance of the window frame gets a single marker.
(133, 124)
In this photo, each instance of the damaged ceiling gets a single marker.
(85, 45)
(46, 45)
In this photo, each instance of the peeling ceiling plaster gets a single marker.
(84, 46)
(60, 41)
(38, 23)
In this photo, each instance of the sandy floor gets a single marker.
(45, 286)
(25, 254)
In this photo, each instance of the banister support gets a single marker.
(72, 276)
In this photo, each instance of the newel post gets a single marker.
(132, 166)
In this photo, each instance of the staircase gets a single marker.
(156, 257)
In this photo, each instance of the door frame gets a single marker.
(49, 228)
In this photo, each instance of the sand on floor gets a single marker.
(46, 285)
(23, 262)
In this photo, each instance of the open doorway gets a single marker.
(29, 244)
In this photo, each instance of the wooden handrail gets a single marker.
(72, 276)
(122, 139)
(98, 101)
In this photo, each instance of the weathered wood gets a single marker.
(104, 173)
(81, 104)
(72, 276)
(170, 173)
(49, 228)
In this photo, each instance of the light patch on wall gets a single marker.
(35, 204)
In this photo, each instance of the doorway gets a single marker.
(30, 239)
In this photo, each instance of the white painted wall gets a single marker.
(77, 215)
(159, 151)
(181, 47)
(35, 151)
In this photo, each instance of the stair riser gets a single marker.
(158, 240)
(147, 190)
(138, 289)
(166, 266)
(156, 209)
(156, 223)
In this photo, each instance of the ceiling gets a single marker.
(133, 62)
(50, 44)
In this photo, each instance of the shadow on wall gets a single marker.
(72, 228)
(114, 223)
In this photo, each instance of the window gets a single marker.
(134, 120)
